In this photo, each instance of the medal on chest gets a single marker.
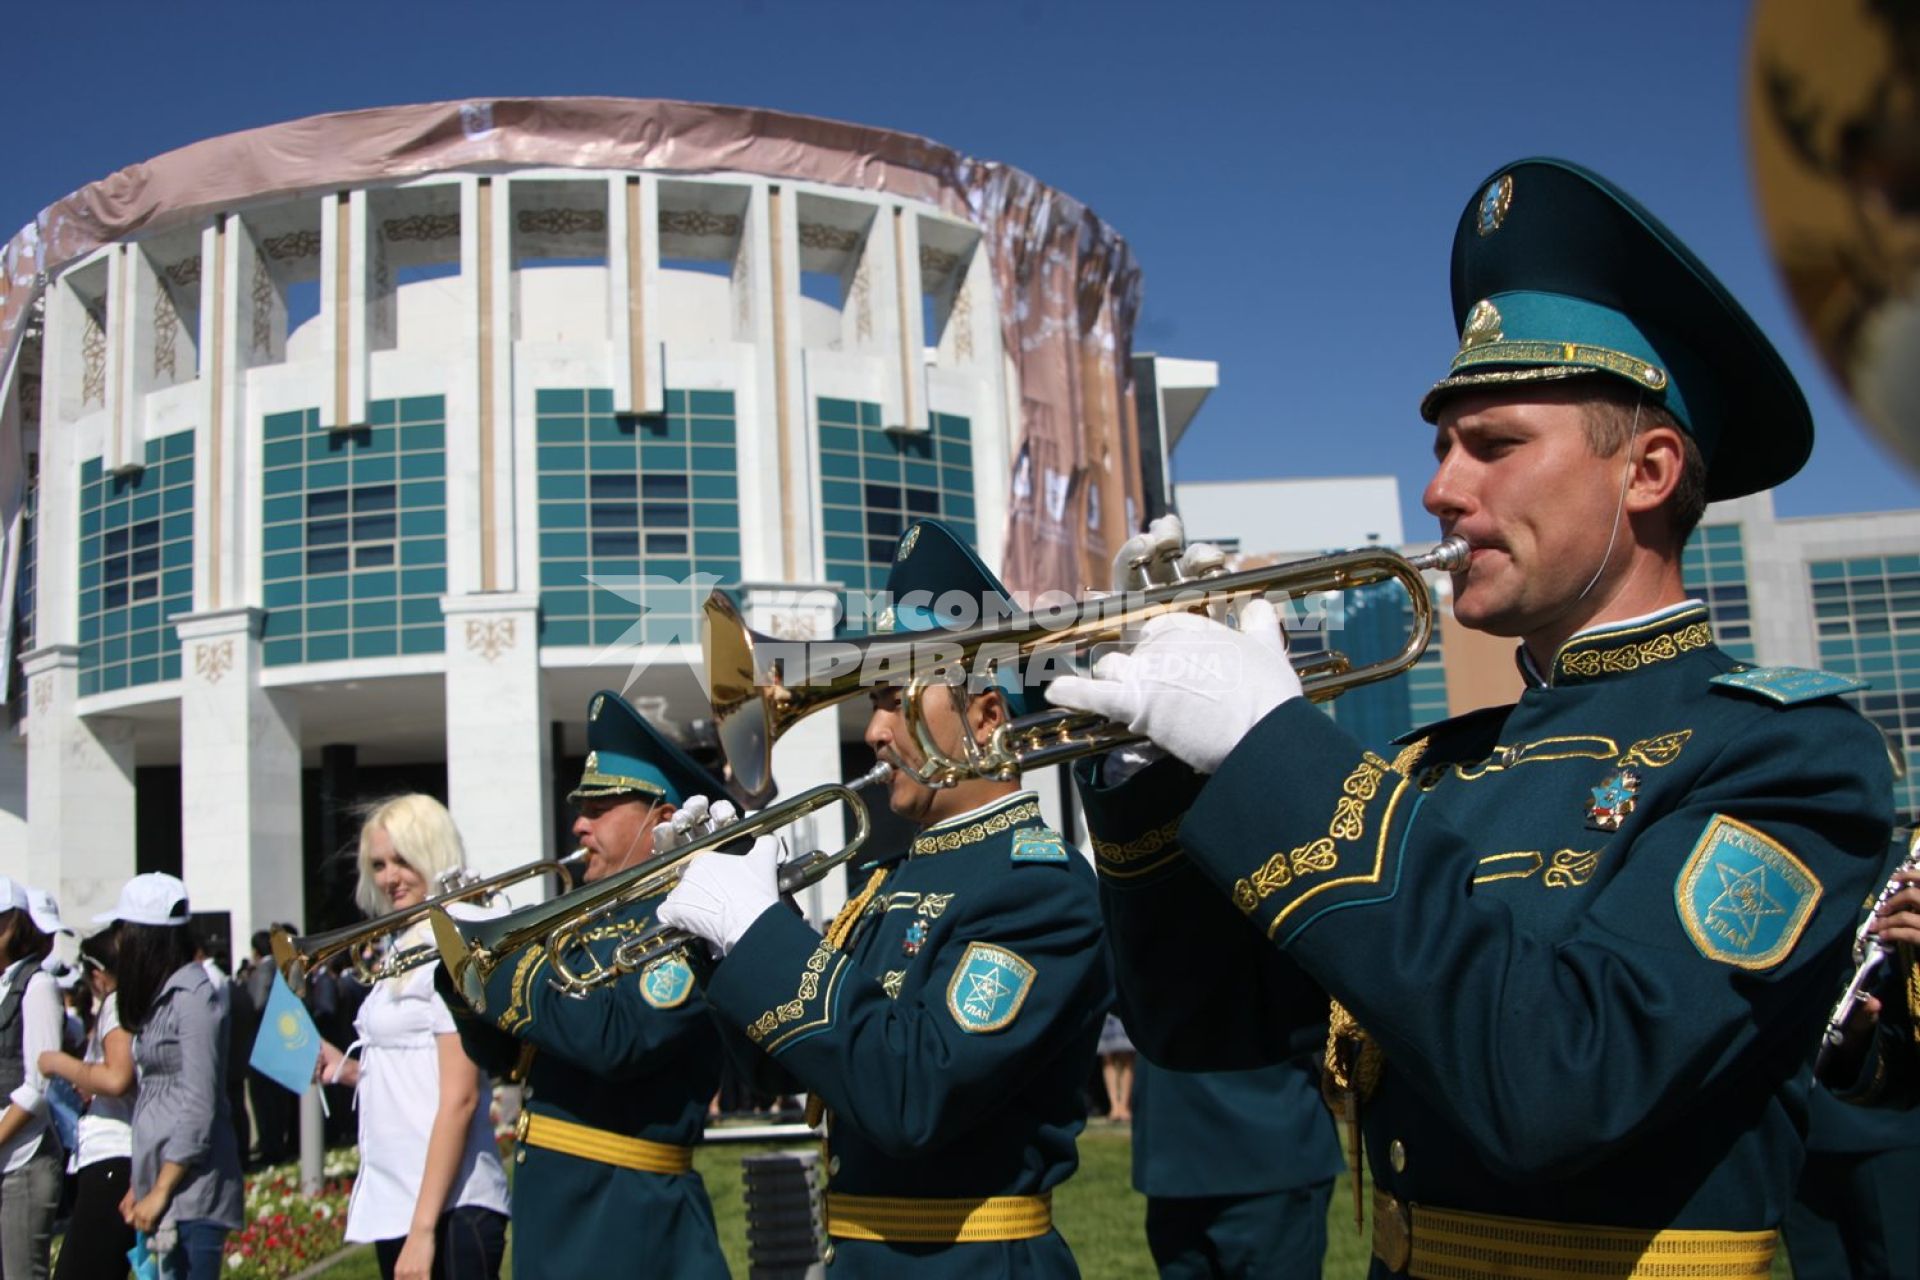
(915, 939)
(1612, 801)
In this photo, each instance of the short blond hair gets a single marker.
(423, 836)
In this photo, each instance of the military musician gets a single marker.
(948, 1018)
(1580, 945)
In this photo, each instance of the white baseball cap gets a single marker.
(44, 910)
(152, 898)
(13, 895)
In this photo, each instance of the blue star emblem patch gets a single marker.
(667, 984)
(988, 988)
(1743, 898)
(915, 939)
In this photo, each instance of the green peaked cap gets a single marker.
(1558, 273)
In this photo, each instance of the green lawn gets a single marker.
(1098, 1211)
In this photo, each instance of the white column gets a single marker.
(899, 245)
(633, 285)
(79, 789)
(240, 776)
(808, 754)
(497, 763)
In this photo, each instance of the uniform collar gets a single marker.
(1617, 648)
(975, 825)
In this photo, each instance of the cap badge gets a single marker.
(1482, 327)
(907, 543)
(599, 701)
(593, 762)
(1494, 203)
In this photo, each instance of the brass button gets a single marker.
(1397, 1156)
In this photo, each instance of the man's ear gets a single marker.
(1660, 457)
(987, 712)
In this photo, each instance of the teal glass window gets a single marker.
(631, 509)
(136, 566)
(1713, 568)
(354, 533)
(1867, 614)
(874, 483)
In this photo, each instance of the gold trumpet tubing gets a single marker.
(756, 697)
(297, 956)
(472, 951)
(652, 945)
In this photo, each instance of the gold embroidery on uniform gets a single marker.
(890, 982)
(519, 1011)
(1509, 866)
(1571, 868)
(933, 904)
(1371, 875)
(991, 825)
(1636, 654)
(1658, 751)
(1579, 746)
(1118, 854)
(809, 988)
(1410, 755)
(1349, 822)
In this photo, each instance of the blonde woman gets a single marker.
(431, 1195)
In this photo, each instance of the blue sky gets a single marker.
(1288, 174)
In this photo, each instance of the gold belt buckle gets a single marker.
(1392, 1232)
(521, 1125)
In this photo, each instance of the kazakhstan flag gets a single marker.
(288, 1044)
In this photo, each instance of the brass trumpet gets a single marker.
(299, 956)
(757, 695)
(472, 949)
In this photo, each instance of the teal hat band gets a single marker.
(1552, 334)
(611, 772)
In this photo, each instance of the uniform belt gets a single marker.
(589, 1143)
(929, 1221)
(1446, 1244)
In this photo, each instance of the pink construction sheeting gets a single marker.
(1068, 288)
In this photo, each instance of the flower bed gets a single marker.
(287, 1231)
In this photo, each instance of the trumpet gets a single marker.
(299, 956)
(758, 695)
(473, 949)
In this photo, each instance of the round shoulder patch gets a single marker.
(988, 987)
(1742, 897)
(666, 984)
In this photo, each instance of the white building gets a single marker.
(381, 465)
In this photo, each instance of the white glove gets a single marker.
(722, 894)
(1193, 686)
(692, 821)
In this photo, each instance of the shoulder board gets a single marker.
(1453, 724)
(1039, 844)
(1787, 685)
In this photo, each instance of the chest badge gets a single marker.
(1613, 800)
(916, 938)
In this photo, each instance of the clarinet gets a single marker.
(1869, 953)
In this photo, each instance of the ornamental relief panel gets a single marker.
(490, 637)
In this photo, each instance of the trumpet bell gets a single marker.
(745, 708)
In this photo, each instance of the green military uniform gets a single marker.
(948, 1021)
(1237, 1168)
(1854, 1214)
(1581, 945)
(618, 1082)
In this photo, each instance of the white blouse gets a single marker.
(398, 1096)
